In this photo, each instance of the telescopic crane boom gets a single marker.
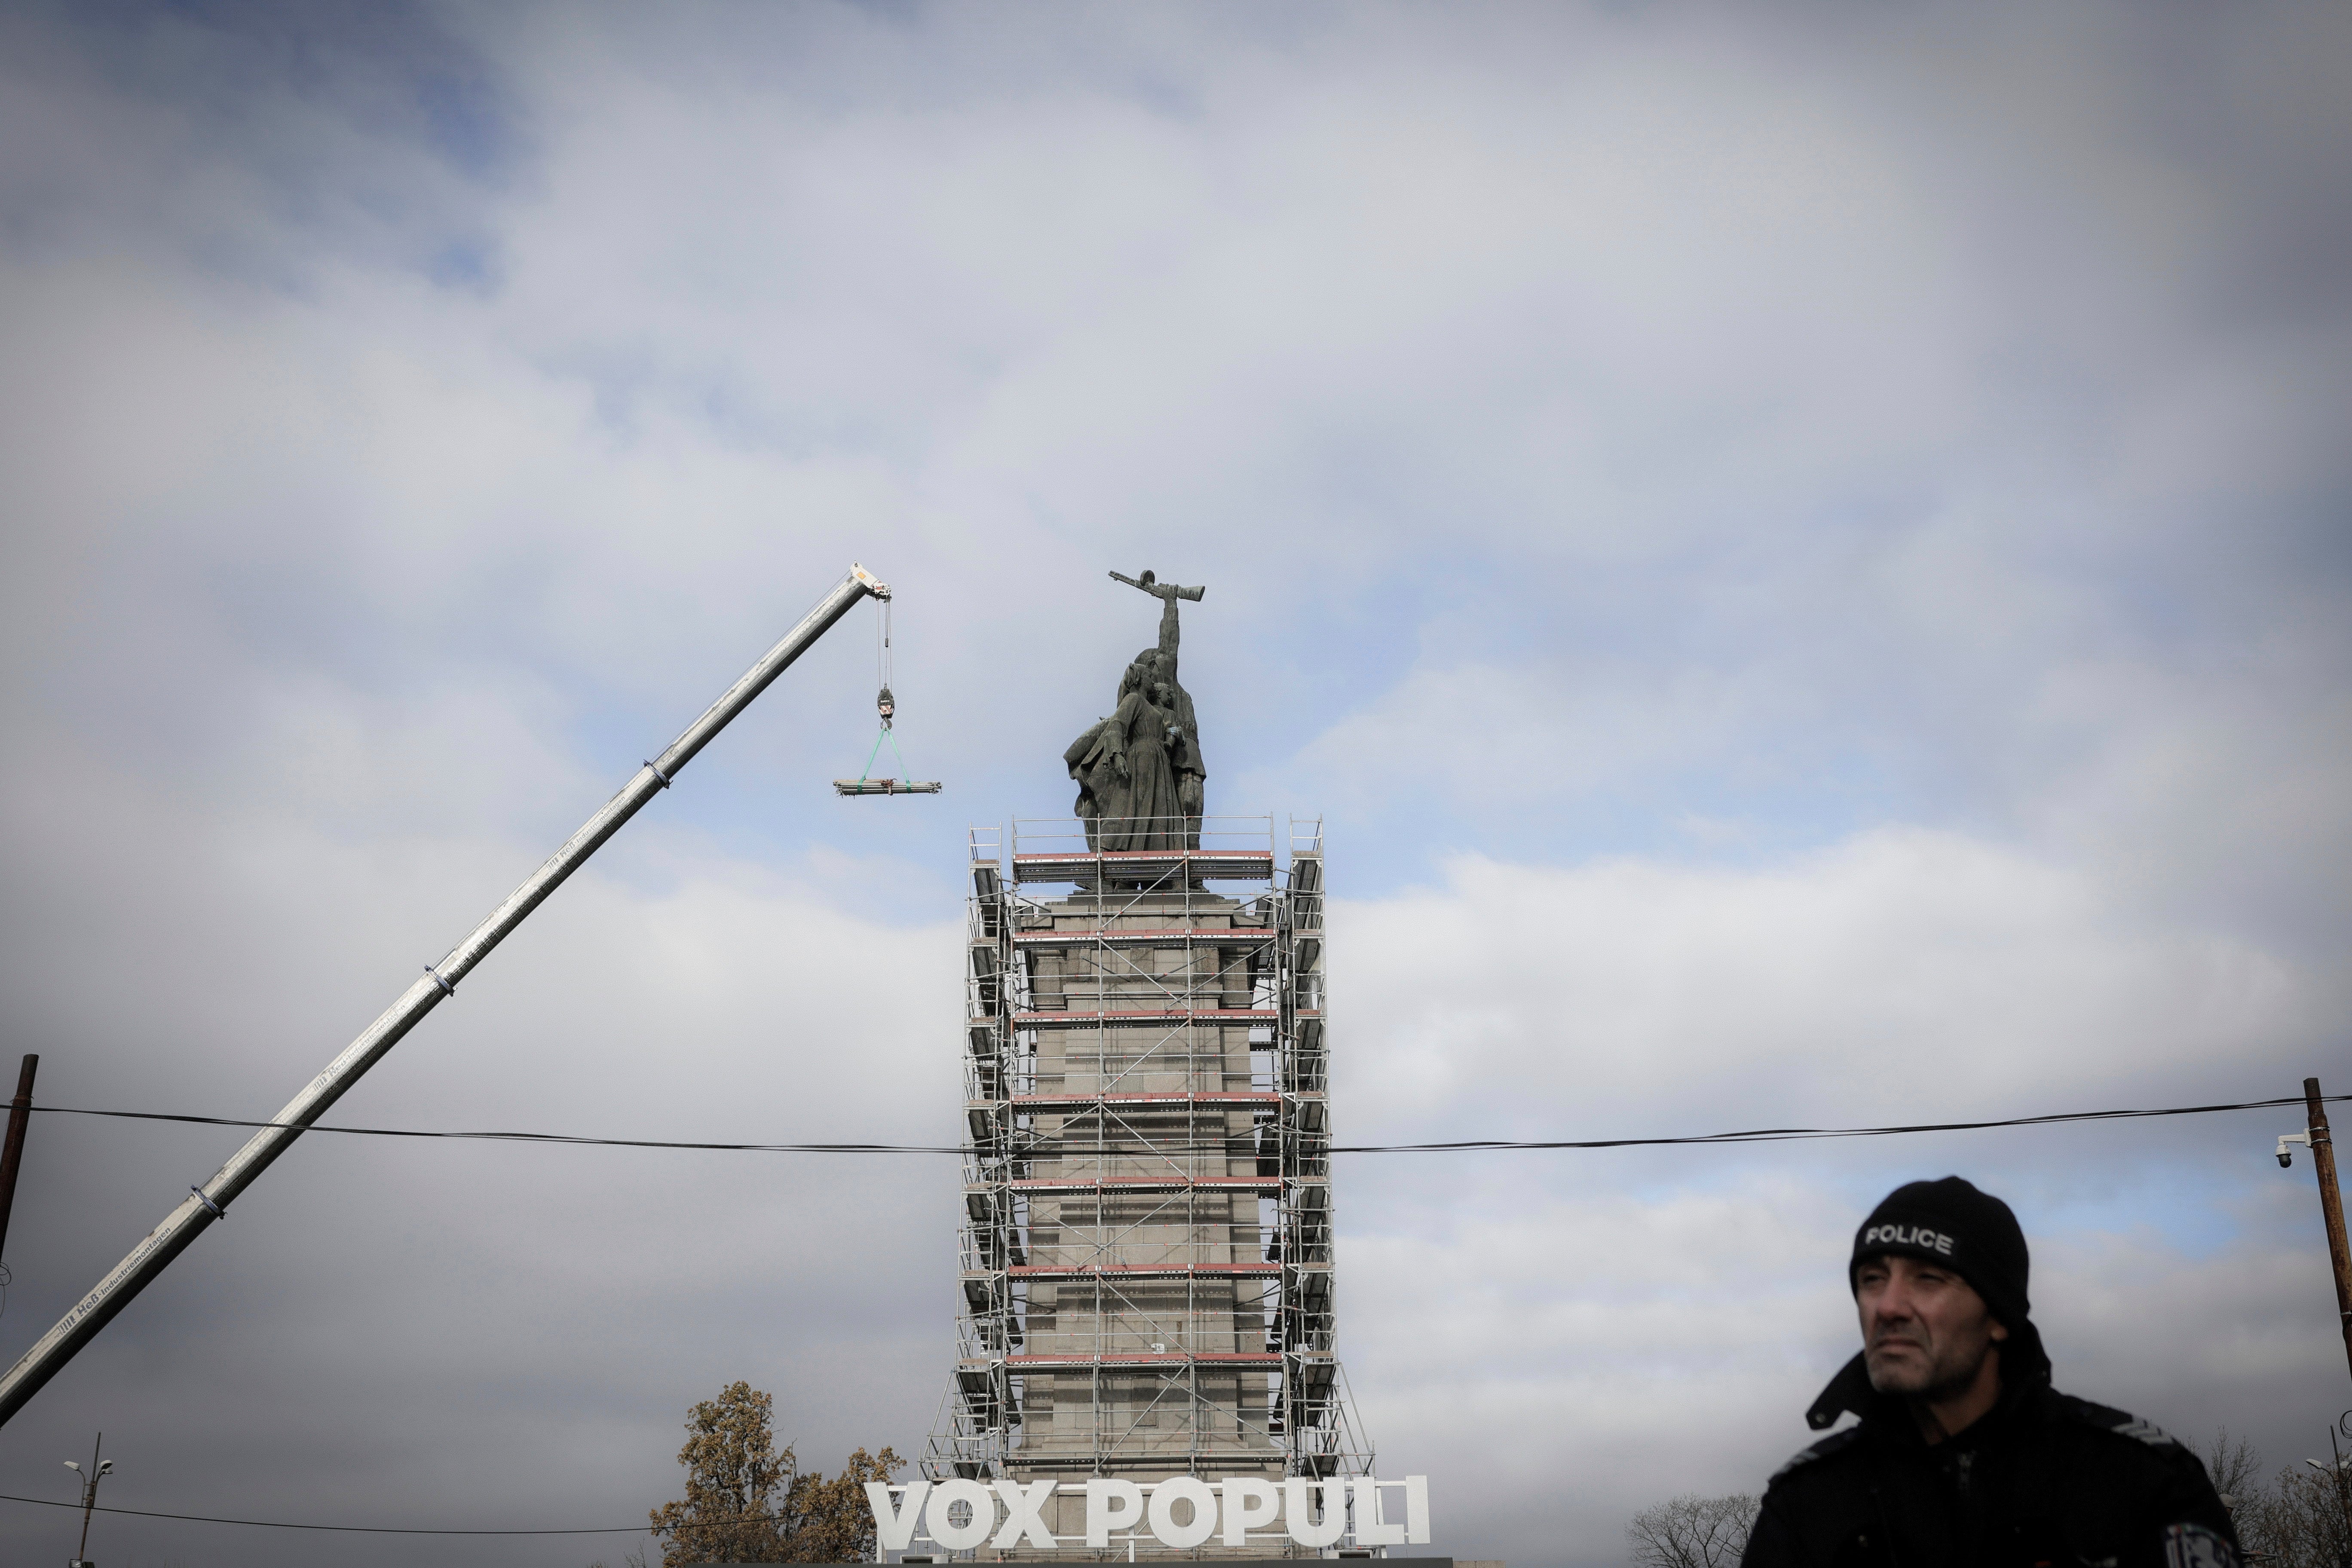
(210, 1202)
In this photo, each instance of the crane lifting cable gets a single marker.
(888, 707)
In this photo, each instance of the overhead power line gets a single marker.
(536, 1137)
(1752, 1135)
(1794, 1134)
(394, 1530)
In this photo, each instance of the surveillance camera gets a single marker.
(2285, 1159)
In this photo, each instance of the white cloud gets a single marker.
(1903, 975)
(1800, 557)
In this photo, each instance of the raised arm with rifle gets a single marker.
(1184, 736)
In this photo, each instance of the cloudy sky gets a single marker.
(1800, 552)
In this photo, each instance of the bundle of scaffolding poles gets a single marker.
(208, 1203)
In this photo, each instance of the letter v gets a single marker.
(894, 1527)
(1023, 1509)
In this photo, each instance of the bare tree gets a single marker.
(2232, 1465)
(1693, 1531)
(2296, 1521)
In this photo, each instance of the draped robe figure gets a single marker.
(1139, 808)
(1139, 773)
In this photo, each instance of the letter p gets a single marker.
(1250, 1504)
(1112, 1505)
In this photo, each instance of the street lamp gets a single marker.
(97, 1472)
(2341, 1470)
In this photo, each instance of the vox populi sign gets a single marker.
(1182, 1512)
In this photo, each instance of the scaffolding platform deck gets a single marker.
(1082, 1271)
(1128, 1099)
(1048, 1185)
(1144, 1018)
(1115, 936)
(1148, 866)
(1144, 1358)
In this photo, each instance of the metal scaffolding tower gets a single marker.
(1147, 1252)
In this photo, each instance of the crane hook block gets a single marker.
(888, 707)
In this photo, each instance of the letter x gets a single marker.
(1022, 1505)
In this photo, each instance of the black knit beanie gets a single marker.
(1950, 1222)
(1974, 1235)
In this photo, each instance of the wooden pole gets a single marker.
(2331, 1208)
(11, 1152)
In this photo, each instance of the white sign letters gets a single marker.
(1314, 1513)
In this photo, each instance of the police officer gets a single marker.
(1965, 1455)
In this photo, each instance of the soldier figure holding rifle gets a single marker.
(1183, 735)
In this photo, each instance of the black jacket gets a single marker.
(2043, 1478)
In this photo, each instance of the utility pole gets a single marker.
(2331, 1209)
(90, 1480)
(11, 1152)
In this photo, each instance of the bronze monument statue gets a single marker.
(1140, 774)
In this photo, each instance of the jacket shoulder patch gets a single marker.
(2194, 1546)
(2122, 1422)
(1820, 1450)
